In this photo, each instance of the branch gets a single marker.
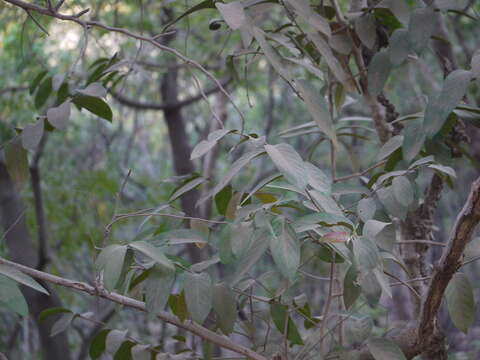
(188, 325)
(449, 263)
(158, 106)
(151, 40)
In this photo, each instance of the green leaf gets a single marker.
(366, 254)
(205, 146)
(157, 288)
(444, 103)
(413, 139)
(58, 116)
(285, 250)
(351, 290)
(36, 81)
(399, 47)
(111, 260)
(95, 105)
(186, 187)
(289, 163)
(52, 311)
(225, 305)
(152, 252)
(384, 349)
(43, 92)
(317, 107)
(460, 302)
(21, 278)
(11, 297)
(365, 28)
(32, 135)
(400, 9)
(97, 346)
(389, 147)
(421, 28)
(62, 324)
(206, 4)
(233, 14)
(403, 190)
(124, 351)
(198, 295)
(222, 199)
(366, 209)
(234, 169)
(281, 318)
(378, 72)
(16, 161)
(178, 305)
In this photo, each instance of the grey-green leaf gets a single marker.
(366, 209)
(399, 47)
(413, 139)
(383, 234)
(366, 30)
(389, 147)
(460, 302)
(205, 146)
(366, 254)
(157, 288)
(475, 64)
(289, 163)
(192, 184)
(94, 89)
(152, 252)
(225, 305)
(32, 135)
(233, 14)
(378, 72)
(444, 103)
(21, 278)
(58, 116)
(110, 260)
(11, 297)
(317, 107)
(384, 349)
(62, 324)
(421, 28)
(403, 190)
(198, 295)
(285, 250)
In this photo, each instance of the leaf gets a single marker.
(447, 170)
(384, 349)
(152, 252)
(233, 14)
(460, 302)
(389, 147)
(57, 81)
(58, 116)
(421, 28)
(400, 9)
(95, 105)
(303, 9)
(205, 146)
(358, 328)
(382, 233)
(371, 289)
(51, 311)
(201, 227)
(403, 190)
(111, 260)
(317, 107)
(444, 103)
(252, 255)
(317, 178)
(378, 72)
(178, 237)
(32, 135)
(114, 340)
(222, 199)
(234, 169)
(206, 4)
(399, 47)
(281, 318)
(285, 250)
(97, 346)
(186, 187)
(178, 306)
(366, 209)
(198, 295)
(16, 161)
(157, 288)
(367, 256)
(289, 163)
(62, 324)
(43, 92)
(225, 305)
(475, 64)
(390, 203)
(451, 4)
(311, 221)
(351, 290)
(21, 278)
(95, 89)
(36, 81)
(365, 28)
(413, 139)
(11, 297)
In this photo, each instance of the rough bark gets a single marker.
(22, 250)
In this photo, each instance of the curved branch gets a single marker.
(188, 325)
(138, 105)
